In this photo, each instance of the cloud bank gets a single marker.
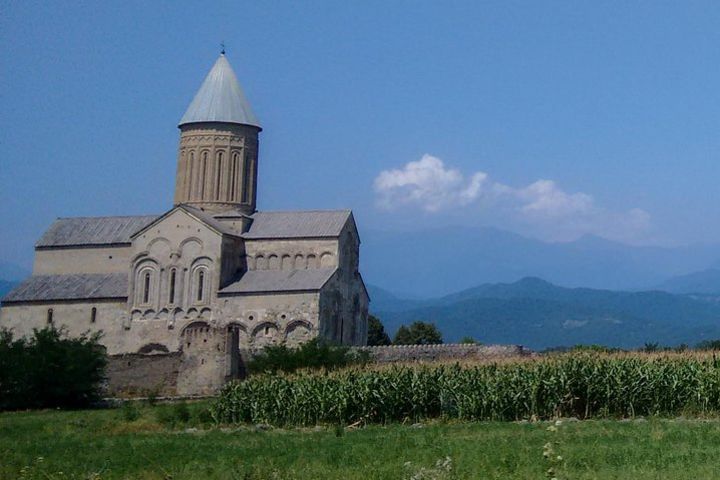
(427, 184)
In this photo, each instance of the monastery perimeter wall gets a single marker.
(444, 351)
(142, 375)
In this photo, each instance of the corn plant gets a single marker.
(582, 385)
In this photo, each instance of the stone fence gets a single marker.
(444, 351)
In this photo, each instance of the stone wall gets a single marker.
(134, 374)
(447, 351)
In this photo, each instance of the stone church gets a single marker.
(211, 279)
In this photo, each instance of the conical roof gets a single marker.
(220, 99)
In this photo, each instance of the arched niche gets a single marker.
(298, 331)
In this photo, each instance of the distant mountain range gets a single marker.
(11, 272)
(438, 261)
(702, 282)
(424, 268)
(538, 314)
(6, 286)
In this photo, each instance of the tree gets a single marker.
(50, 369)
(376, 332)
(418, 333)
(469, 340)
(708, 345)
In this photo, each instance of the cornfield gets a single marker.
(583, 386)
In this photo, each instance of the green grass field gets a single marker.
(144, 443)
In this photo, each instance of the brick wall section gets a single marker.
(133, 374)
(447, 351)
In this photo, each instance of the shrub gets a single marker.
(313, 354)
(49, 369)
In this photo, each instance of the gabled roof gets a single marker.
(220, 99)
(89, 231)
(275, 281)
(43, 288)
(196, 213)
(299, 224)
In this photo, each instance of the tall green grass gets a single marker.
(578, 385)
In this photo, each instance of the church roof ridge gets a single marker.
(298, 224)
(220, 99)
(84, 217)
(316, 210)
(79, 231)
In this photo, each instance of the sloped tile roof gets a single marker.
(79, 231)
(41, 288)
(270, 281)
(299, 224)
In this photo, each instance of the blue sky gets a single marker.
(551, 119)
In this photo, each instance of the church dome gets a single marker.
(220, 99)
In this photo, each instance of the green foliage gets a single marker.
(172, 415)
(50, 369)
(376, 332)
(708, 345)
(313, 354)
(469, 340)
(418, 333)
(129, 412)
(577, 385)
(85, 444)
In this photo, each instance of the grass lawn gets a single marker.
(143, 443)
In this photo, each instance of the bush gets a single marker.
(313, 354)
(50, 369)
(582, 385)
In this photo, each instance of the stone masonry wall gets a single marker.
(447, 351)
(133, 374)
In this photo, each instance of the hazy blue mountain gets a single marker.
(6, 286)
(539, 314)
(12, 272)
(383, 300)
(704, 282)
(438, 261)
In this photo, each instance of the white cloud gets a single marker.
(542, 206)
(543, 197)
(427, 183)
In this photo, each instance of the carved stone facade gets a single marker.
(217, 167)
(210, 281)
